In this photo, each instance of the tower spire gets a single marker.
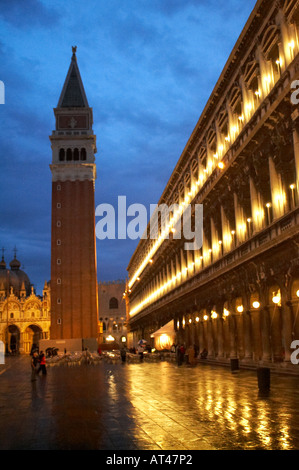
(73, 93)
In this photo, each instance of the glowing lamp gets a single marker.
(240, 308)
(110, 338)
(197, 319)
(205, 317)
(221, 165)
(225, 312)
(214, 315)
(256, 304)
(297, 293)
(276, 299)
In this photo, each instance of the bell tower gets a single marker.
(74, 293)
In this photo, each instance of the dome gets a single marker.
(15, 264)
(14, 277)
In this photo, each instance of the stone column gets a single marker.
(255, 316)
(296, 154)
(247, 335)
(288, 324)
(232, 336)
(239, 319)
(220, 337)
(210, 341)
(265, 322)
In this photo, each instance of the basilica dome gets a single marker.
(13, 278)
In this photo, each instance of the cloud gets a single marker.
(27, 14)
(148, 68)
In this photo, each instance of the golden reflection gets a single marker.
(263, 426)
(172, 406)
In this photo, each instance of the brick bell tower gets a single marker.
(74, 293)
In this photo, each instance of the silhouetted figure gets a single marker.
(42, 364)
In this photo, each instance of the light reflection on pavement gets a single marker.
(147, 406)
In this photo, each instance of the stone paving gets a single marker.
(145, 406)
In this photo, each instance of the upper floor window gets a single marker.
(113, 303)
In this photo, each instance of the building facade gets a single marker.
(74, 292)
(24, 316)
(112, 313)
(237, 295)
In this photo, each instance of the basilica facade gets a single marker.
(24, 316)
(236, 295)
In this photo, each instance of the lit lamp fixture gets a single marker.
(297, 293)
(276, 299)
(110, 338)
(221, 165)
(225, 312)
(258, 93)
(197, 319)
(256, 304)
(214, 315)
(205, 317)
(240, 308)
(249, 220)
(241, 118)
(190, 321)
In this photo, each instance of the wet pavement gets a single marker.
(145, 406)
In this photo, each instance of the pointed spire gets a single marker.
(73, 93)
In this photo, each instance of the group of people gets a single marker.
(38, 363)
(185, 355)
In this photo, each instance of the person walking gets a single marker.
(34, 362)
(42, 364)
(123, 354)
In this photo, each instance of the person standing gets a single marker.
(42, 364)
(34, 362)
(123, 354)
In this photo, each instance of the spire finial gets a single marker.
(74, 50)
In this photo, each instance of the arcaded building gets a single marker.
(237, 294)
(24, 316)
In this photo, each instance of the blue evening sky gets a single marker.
(148, 68)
